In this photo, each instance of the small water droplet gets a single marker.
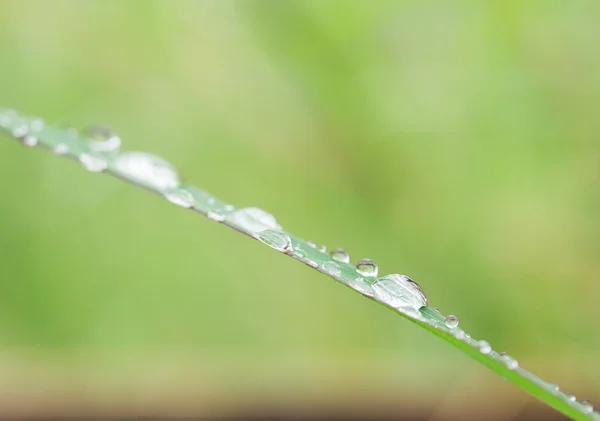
(509, 361)
(254, 219)
(367, 267)
(147, 169)
(103, 139)
(451, 321)
(20, 131)
(218, 215)
(398, 292)
(322, 249)
(29, 140)
(460, 335)
(332, 268)
(60, 149)
(340, 255)
(571, 397)
(484, 347)
(467, 336)
(586, 406)
(180, 197)
(299, 253)
(93, 163)
(311, 244)
(362, 286)
(276, 239)
(554, 387)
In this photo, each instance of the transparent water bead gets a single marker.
(220, 213)
(254, 219)
(332, 268)
(60, 149)
(571, 397)
(322, 249)
(311, 244)
(509, 361)
(451, 321)
(367, 267)
(276, 239)
(586, 406)
(362, 286)
(460, 334)
(180, 197)
(340, 255)
(147, 169)
(29, 140)
(93, 163)
(103, 138)
(484, 347)
(398, 291)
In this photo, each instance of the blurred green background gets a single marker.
(456, 142)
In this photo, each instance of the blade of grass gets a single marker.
(164, 180)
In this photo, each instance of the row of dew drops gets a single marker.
(102, 153)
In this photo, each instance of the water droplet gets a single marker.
(29, 140)
(484, 347)
(299, 253)
(218, 215)
(180, 197)
(20, 131)
(509, 361)
(571, 397)
(276, 239)
(147, 169)
(254, 220)
(332, 268)
(397, 291)
(460, 334)
(367, 267)
(93, 163)
(451, 321)
(311, 244)
(468, 336)
(362, 286)
(36, 125)
(340, 255)
(103, 139)
(586, 406)
(60, 149)
(323, 249)
(554, 387)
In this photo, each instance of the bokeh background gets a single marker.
(456, 142)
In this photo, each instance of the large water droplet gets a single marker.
(147, 169)
(397, 291)
(93, 163)
(340, 255)
(103, 139)
(254, 219)
(367, 267)
(276, 239)
(451, 321)
(484, 347)
(332, 268)
(586, 406)
(180, 197)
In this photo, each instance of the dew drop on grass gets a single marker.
(220, 213)
(331, 268)
(571, 397)
(398, 291)
(311, 244)
(254, 219)
(275, 239)
(29, 140)
(484, 347)
(93, 163)
(180, 197)
(340, 255)
(367, 267)
(147, 169)
(460, 334)
(102, 139)
(451, 321)
(60, 149)
(586, 406)
(509, 361)
(362, 286)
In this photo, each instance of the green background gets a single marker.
(456, 142)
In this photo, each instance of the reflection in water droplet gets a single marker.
(93, 163)
(60, 149)
(484, 347)
(451, 321)
(586, 406)
(20, 130)
(571, 397)
(340, 255)
(29, 140)
(147, 169)
(276, 239)
(180, 197)
(367, 267)
(398, 292)
(103, 139)
(332, 268)
(254, 220)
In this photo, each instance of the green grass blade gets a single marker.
(160, 177)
